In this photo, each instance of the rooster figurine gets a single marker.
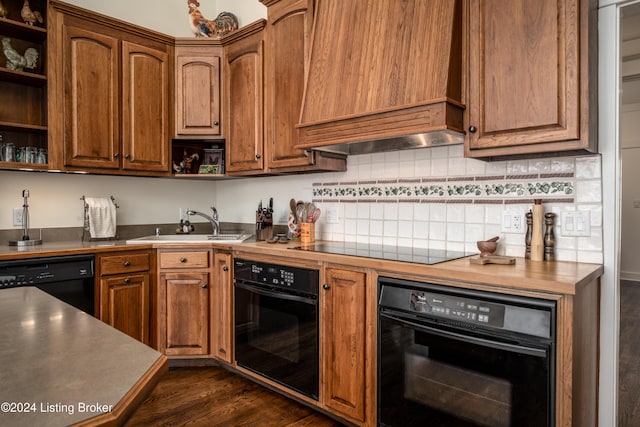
(3, 11)
(18, 62)
(224, 23)
(28, 16)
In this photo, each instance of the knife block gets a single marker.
(264, 228)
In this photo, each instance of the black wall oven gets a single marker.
(456, 357)
(276, 323)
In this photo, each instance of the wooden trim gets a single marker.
(113, 23)
(134, 397)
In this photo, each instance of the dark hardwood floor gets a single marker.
(213, 396)
(629, 361)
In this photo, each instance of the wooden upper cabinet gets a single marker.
(198, 88)
(287, 36)
(90, 74)
(109, 95)
(243, 99)
(531, 77)
(145, 100)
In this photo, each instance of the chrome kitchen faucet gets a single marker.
(215, 223)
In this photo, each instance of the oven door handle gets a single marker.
(279, 295)
(531, 351)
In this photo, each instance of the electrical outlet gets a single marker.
(513, 222)
(17, 216)
(183, 214)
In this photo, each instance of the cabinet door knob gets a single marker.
(116, 156)
(127, 263)
(215, 123)
(326, 287)
(473, 129)
(127, 156)
(258, 156)
(183, 260)
(127, 281)
(225, 268)
(204, 286)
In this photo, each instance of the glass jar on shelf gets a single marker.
(41, 157)
(9, 152)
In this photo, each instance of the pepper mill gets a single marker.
(527, 236)
(537, 238)
(549, 237)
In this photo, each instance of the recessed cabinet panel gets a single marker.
(531, 86)
(91, 98)
(185, 313)
(146, 96)
(244, 107)
(198, 95)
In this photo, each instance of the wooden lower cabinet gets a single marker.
(344, 343)
(222, 303)
(123, 292)
(184, 312)
(194, 299)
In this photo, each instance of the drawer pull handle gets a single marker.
(183, 260)
(225, 268)
(127, 263)
(127, 281)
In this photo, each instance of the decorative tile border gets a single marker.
(475, 189)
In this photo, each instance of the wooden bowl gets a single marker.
(487, 247)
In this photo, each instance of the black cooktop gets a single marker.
(386, 252)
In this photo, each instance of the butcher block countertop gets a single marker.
(561, 277)
(61, 366)
(558, 277)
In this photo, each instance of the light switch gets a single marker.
(576, 224)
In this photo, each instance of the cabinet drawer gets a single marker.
(125, 263)
(184, 259)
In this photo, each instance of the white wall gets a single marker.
(171, 17)
(55, 198)
(630, 145)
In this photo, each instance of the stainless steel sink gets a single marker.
(191, 238)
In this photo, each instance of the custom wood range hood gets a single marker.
(383, 75)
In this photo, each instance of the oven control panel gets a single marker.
(455, 307)
(277, 275)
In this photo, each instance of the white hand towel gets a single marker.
(102, 217)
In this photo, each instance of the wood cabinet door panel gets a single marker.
(524, 74)
(343, 337)
(198, 95)
(222, 303)
(145, 99)
(186, 321)
(244, 108)
(125, 304)
(91, 64)
(287, 36)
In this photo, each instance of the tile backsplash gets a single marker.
(436, 198)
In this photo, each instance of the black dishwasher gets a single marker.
(69, 278)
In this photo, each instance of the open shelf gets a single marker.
(23, 77)
(19, 30)
(21, 127)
